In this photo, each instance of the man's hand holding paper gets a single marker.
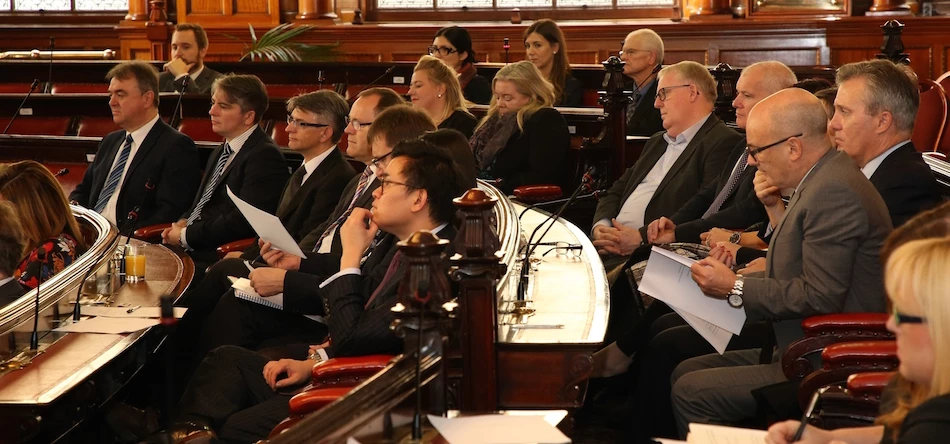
(713, 277)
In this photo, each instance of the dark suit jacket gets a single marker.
(701, 162)
(256, 174)
(364, 201)
(535, 156)
(478, 90)
(10, 292)
(315, 199)
(167, 157)
(201, 84)
(645, 120)
(824, 254)
(359, 331)
(906, 184)
(741, 208)
(573, 94)
(462, 122)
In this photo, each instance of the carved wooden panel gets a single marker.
(230, 13)
(791, 57)
(671, 57)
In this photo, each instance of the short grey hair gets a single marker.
(776, 75)
(327, 104)
(889, 88)
(694, 73)
(651, 42)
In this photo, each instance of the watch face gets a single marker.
(735, 300)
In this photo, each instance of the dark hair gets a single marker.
(398, 123)
(12, 239)
(429, 168)
(387, 97)
(201, 37)
(548, 29)
(38, 199)
(456, 145)
(813, 84)
(932, 223)
(247, 90)
(144, 74)
(460, 39)
(325, 103)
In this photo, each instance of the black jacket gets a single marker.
(906, 184)
(537, 155)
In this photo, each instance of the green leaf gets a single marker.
(253, 34)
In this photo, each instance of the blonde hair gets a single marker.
(528, 81)
(39, 199)
(696, 74)
(443, 75)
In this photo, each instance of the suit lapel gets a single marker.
(644, 164)
(316, 179)
(151, 140)
(694, 145)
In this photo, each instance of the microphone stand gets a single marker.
(169, 322)
(596, 195)
(33, 86)
(35, 337)
(76, 310)
(133, 219)
(176, 114)
(48, 88)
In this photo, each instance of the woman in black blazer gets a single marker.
(453, 46)
(435, 89)
(545, 47)
(522, 140)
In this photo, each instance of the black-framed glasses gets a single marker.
(900, 318)
(356, 123)
(442, 50)
(300, 123)
(385, 182)
(752, 152)
(377, 160)
(566, 249)
(662, 93)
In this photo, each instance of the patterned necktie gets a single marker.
(212, 183)
(360, 188)
(296, 181)
(112, 182)
(390, 274)
(727, 190)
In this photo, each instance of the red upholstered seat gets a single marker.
(279, 133)
(38, 126)
(17, 88)
(931, 116)
(288, 91)
(95, 126)
(590, 99)
(80, 88)
(199, 130)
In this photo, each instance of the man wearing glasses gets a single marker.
(823, 257)
(643, 56)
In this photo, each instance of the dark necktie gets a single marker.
(729, 188)
(387, 278)
(212, 183)
(296, 181)
(360, 188)
(112, 182)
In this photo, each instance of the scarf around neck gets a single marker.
(492, 138)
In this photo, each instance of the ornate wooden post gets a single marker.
(726, 78)
(615, 99)
(707, 7)
(477, 269)
(893, 47)
(158, 31)
(316, 10)
(138, 10)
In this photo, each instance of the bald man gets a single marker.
(823, 256)
(642, 54)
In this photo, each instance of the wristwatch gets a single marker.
(734, 297)
(734, 237)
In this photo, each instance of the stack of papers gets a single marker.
(667, 278)
(497, 429)
(715, 434)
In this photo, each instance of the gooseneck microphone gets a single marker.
(36, 82)
(132, 220)
(48, 88)
(76, 310)
(35, 337)
(61, 172)
(596, 195)
(374, 82)
(506, 46)
(176, 114)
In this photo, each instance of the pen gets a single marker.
(133, 309)
(808, 413)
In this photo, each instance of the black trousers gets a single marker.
(228, 392)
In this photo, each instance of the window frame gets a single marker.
(61, 12)
(375, 14)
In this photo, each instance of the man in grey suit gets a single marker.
(823, 257)
(189, 47)
(674, 165)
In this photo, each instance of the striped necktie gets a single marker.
(729, 188)
(112, 182)
(212, 183)
(360, 188)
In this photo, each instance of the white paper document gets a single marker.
(107, 325)
(124, 312)
(243, 290)
(497, 429)
(667, 278)
(268, 227)
(715, 434)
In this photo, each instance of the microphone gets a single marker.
(176, 114)
(320, 79)
(132, 219)
(36, 82)
(48, 88)
(76, 310)
(586, 181)
(375, 81)
(35, 337)
(592, 195)
(61, 172)
(506, 46)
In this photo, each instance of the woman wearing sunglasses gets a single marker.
(453, 45)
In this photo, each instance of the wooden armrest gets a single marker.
(151, 233)
(832, 323)
(863, 353)
(238, 245)
(822, 331)
(538, 193)
(346, 371)
(313, 400)
(869, 385)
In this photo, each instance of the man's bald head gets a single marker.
(757, 82)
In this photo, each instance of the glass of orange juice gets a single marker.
(134, 263)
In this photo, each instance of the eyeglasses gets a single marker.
(383, 183)
(356, 123)
(299, 123)
(900, 318)
(442, 50)
(566, 249)
(753, 152)
(662, 93)
(377, 160)
(631, 51)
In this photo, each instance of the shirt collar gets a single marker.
(872, 166)
(311, 165)
(238, 142)
(138, 136)
(687, 135)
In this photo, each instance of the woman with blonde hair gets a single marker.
(916, 280)
(435, 89)
(546, 48)
(522, 140)
(39, 199)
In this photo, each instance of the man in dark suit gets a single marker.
(874, 119)
(249, 163)
(823, 256)
(674, 166)
(234, 392)
(643, 54)
(12, 244)
(189, 47)
(146, 167)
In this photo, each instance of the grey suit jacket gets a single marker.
(823, 257)
(201, 84)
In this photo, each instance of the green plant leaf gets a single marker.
(253, 34)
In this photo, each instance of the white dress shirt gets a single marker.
(138, 136)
